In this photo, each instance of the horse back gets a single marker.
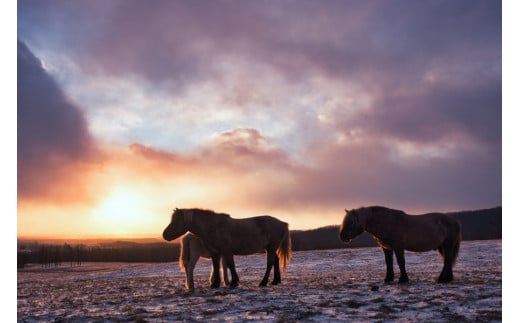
(429, 231)
(438, 221)
(250, 235)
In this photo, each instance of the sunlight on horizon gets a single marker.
(121, 212)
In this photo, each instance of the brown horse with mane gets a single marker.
(396, 231)
(225, 236)
(192, 248)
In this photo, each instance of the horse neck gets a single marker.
(376, 223)
(364, 220)
(188, 219)
(192, 224)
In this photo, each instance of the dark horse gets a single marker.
(396, 231)
(225, 236)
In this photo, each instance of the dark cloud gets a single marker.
(438, 112)
(385, 48)
(366, 172)
(53, 139)
(175, 42)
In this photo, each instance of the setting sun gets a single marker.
(122, 212)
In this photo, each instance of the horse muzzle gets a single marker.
(167, 237)
(344, 238)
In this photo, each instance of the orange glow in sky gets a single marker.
(120, 120)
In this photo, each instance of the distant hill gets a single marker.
(480, 224)
(476, 225)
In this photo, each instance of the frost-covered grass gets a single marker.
(326, 285)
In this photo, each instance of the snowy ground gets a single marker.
(327, 285)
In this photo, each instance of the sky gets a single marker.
(297, 109)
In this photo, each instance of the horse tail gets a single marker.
(458, 239)
(185, 253)
(284, 251)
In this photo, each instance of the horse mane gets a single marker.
(208, 212)
(203, 211)
(374, 212)
(378, 208)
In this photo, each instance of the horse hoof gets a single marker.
(275, 282)
(444, 280)
(403, 280)
(262, 284)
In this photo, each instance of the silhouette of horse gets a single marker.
(224, 237)
(192, 248)
(396, 231)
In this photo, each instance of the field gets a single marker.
(325, 285)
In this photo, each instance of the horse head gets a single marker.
(351, 226)
(178, 226)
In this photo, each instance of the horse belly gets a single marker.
(246, 239)
(423, 242)
(420, 248)
(244, 251)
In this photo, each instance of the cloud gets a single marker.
(436, 60)
(366, 170)
(360, 170)
(243, 147)
(439, 112)
(55, 149)
(309, 104)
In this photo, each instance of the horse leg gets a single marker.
(399, 254)
(277, 277)
(389, 260)
(230, 263)
(188, 283)
(225, 272)
(215, 272)
(447, 253)
(271, 256)
(189, 273)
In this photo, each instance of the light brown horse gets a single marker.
(225, 236)
(192, 248)
(396, 231)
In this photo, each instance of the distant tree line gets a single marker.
(476, 225)
(52, 255)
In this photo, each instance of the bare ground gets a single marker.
(327, 285)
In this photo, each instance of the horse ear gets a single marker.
(346, 211)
